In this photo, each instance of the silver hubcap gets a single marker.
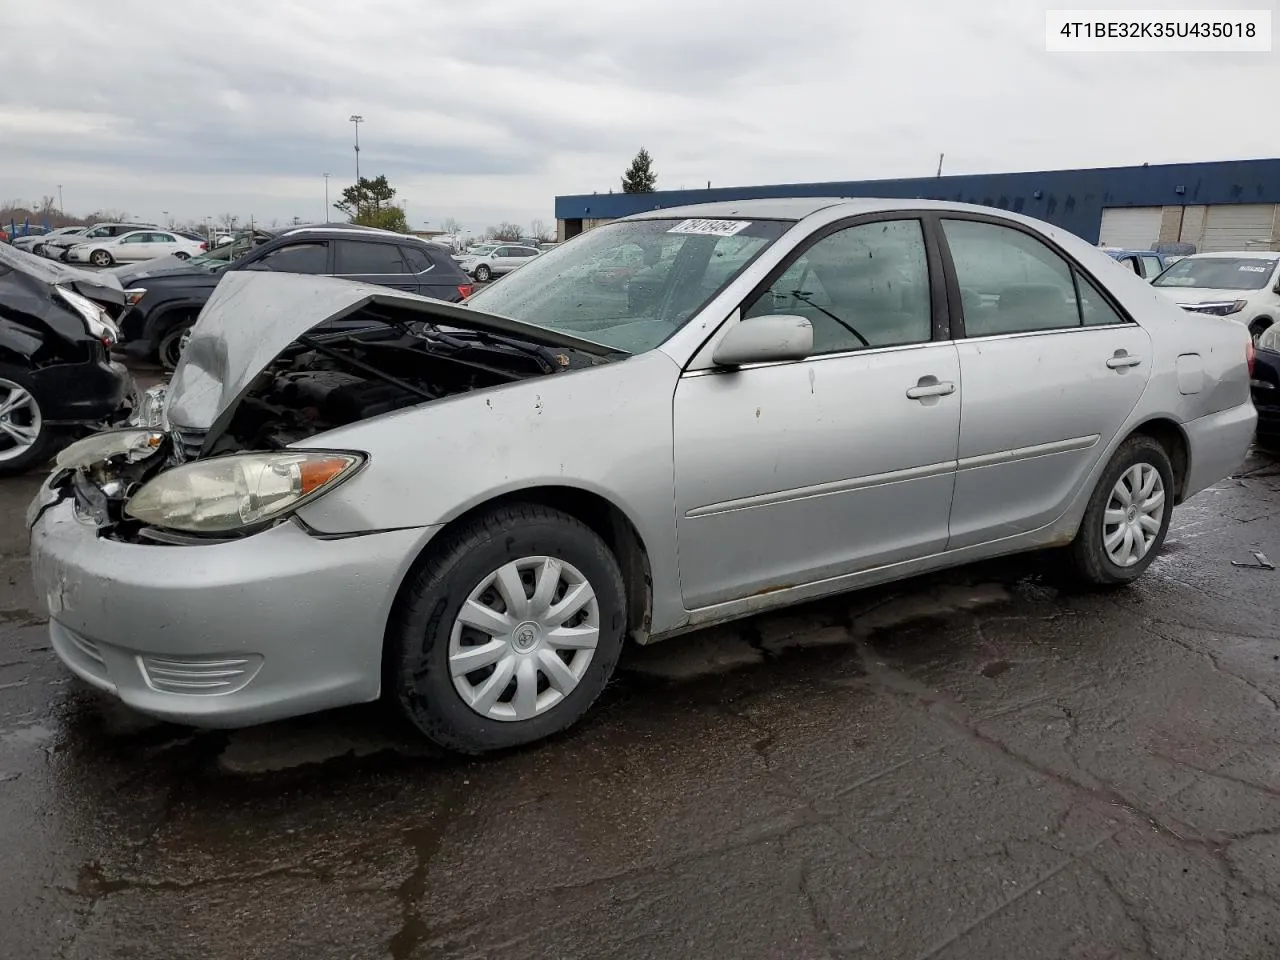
(1134, 514)
(19, 420)
(523, 638)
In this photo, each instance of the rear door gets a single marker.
(434, 272)
(1051, 370)
(371, 261)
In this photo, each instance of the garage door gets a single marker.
(1239, 226)
(1131, 228)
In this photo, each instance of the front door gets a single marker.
(1051, 372)
(790, 473)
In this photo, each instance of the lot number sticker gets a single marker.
(711, 228)
(1248, 269)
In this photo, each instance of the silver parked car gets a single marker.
(486, 263)
(469, 508)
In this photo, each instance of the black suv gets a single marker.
(163, 302)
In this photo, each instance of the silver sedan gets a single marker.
(352, 491)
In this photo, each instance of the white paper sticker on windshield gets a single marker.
(1249, 269)
(711, 228)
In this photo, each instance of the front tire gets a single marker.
(26, 439)
(508, 632)
(172, 344)
(483, 273)
(1128, 515)
(101, 258)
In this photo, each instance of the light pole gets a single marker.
(325, 218)
(357, 120)
(61, 211)
(167, 221)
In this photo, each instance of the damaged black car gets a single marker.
(57, 379)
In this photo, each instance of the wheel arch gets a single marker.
(160, 322)
(603, 517)
(1169, 434)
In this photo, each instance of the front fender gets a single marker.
(605, 430)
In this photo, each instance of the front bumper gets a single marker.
(75, 255)
(221, 635)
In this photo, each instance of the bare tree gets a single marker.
(450, 225)
(539, 230)
(506, 232)
(228, 221)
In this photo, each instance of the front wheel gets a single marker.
(483, 273)
(508, 632)
(172, 344)
(101, 258)
(1128, 515)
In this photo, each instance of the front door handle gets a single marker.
(930, 387)
(1121, 359)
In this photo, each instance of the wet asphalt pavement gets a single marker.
(981, 765)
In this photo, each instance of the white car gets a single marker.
(1244, 286)
(32, 243)
(497, 261)
(138, 245)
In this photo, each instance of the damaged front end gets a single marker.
(273, 362)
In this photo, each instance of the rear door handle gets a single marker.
(1121, 359)
(930, 387)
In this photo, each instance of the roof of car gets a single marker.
(797, 208)
(1262, 254)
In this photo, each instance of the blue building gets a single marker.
(1229, 205)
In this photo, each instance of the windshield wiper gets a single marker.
(549, 360)
(803, 298)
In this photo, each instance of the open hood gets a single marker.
(103, 288)
(253, 316)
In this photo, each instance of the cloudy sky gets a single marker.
(486, 109)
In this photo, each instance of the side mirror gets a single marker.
(764, 340)
(257, 265)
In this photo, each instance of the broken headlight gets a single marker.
(96, 320)
(135, 445)
(242, 490)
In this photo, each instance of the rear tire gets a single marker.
(182, 255)
(458, 609)
(1133, 495)
(26, 438)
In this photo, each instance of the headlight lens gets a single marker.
(230, 493)
(133, 295)
(134, 444)
(95, 318)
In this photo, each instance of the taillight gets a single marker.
(1250, 355)
(204, 246)
(466, 289)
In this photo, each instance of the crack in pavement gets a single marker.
(1213, 662)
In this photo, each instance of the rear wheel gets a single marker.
(508, 632)
(101, 258)
(483, 273)
(182, 255)
(25, 438)
(1128, 515)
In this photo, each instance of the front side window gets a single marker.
(1009, 281)
(355, 259)
(310, 257)
(1219, 273)
(682, 264)
(864, 286)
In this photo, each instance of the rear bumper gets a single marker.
(83, 392)
(1218, 444)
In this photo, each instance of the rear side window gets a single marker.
(311, 257)
(368, 258)
(1094, 309)
(1009, 281)
(417, 259)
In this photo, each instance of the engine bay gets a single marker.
(324, 380)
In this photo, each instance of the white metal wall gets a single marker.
(1133, 228)
(1239, 226)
